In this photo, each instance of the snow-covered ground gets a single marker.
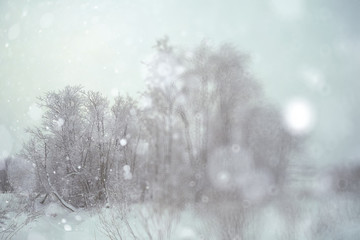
(336, 218)
(141, 221)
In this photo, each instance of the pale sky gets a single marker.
(307, 49)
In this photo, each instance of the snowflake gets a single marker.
(123, 142)
(299, 116)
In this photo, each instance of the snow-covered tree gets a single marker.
(203, 102)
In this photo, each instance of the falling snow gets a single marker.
(299, 116)
(123, 142)
(111, 130)
(67, 227)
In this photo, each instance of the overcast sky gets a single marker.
(299, 48)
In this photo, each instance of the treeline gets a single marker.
(201, 131)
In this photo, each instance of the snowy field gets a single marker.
(336, 218)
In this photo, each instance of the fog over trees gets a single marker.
(202, 138)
